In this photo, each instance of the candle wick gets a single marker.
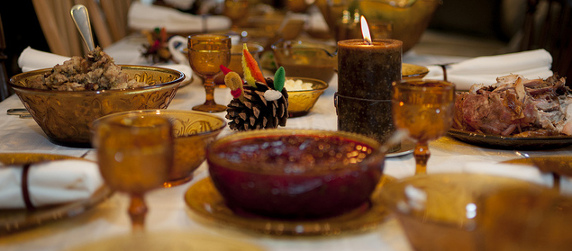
(365, 31)
(367, 41)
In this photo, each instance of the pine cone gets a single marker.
(255, 112)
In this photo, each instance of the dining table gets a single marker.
(168, 211)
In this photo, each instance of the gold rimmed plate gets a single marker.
(204, 200)
(514, 143)
(15, 220)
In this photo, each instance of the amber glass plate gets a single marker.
(14, 220)
(203, 199)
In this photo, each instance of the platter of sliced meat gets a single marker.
(515, 113)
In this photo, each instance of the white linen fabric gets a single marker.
(148, 17)
(484, 70)
(49, 183)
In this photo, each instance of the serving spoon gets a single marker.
(80, 17)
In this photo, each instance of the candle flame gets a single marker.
(365, 30)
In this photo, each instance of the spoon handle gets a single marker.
(81, 19)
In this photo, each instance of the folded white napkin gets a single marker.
(49, 183)
(484, 70)
(148, 17)
(32, 59)
(522, 172)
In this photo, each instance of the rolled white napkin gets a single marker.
(49, 183)
(32, 59)
(148, 17)
(484, 70)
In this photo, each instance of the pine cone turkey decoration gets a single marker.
(259, 103)
(255, 112)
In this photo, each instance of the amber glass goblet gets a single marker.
(236, 10)
(425, 109)
(207, 52)
(135, 155)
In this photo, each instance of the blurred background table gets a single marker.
(168, 210)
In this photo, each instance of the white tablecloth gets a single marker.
(167, 209)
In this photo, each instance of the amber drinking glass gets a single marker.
(236, 10)
(425, 109)
(207, 52)
(135, 155)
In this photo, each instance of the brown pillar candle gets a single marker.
(365, 74)
(367, 71)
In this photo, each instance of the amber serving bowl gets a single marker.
(306, 59)
(526, 219)
(193, 131)
(301, 102)
(65, 116)
(441, 211)
(408, 22)
(295, 174)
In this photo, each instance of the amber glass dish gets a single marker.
(441, 211)
(192, 132)
(301, 102)
(65, 116)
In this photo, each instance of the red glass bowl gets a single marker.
(295, 174)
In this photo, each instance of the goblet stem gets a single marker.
(209, 89)
(210, 105)
(137, 212)
(421, 155)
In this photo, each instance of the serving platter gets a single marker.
(204, 200)
(513, 143)
(15, 220)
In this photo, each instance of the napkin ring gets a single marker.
(25, 187)
(444, 67)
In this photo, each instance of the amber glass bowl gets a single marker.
(65, 116)
(408, 22)
(193, 131)
(440, 211)
(301, 102)
(306, 59)
(295, 174)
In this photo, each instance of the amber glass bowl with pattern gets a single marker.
(301, 102)
(192, 132)
(66, 116)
